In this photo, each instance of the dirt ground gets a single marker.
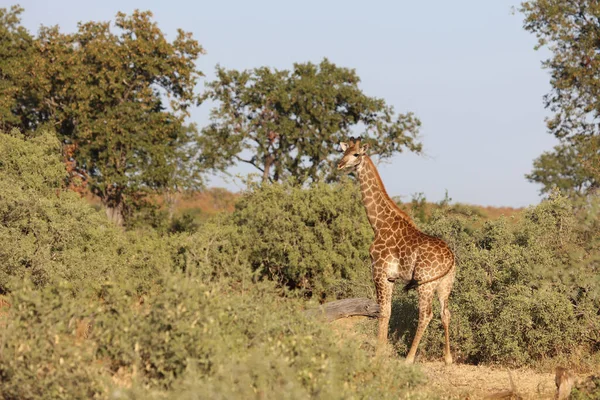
(463, 381)
(460, 381)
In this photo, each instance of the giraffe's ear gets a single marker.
(365, 148)
(344, 146)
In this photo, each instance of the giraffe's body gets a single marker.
(401, 252)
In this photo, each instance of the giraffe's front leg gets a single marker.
(384, 290)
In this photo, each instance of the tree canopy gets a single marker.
(289, 123)
(568, 167)
(16, 51)
(117, 95)
(571, 31)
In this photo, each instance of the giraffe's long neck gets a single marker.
(378, 204)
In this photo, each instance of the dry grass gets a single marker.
(215, 200)
(496, 212)
(209, 202)
(201, 205)
(462, 381)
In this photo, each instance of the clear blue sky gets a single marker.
(466, 68)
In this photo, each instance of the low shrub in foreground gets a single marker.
(221, 340)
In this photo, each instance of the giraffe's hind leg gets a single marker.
(425, 314)
(443, 292)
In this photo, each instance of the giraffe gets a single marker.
(400, 251)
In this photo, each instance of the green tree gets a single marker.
(567, 167)
(16, 50)
(118, 99)
(571, 31)
(289, 123)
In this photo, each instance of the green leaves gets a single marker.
(289, 123)
(525, 287)
(96, 312)
(16, 48)
(571, 167)
(118, 95)
(571, 31)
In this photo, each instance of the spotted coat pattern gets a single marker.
(400, 251)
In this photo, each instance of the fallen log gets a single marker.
(345, 308)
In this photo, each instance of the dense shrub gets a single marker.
(49, 234)
(589, 389)
(525, 289)
(218, 250)
(315, 240)
(218, 339)
(522, 292)
(95, 312)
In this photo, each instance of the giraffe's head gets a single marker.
(353, 154)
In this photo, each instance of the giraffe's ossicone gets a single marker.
(400, 251)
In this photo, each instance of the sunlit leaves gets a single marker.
(571, 31)
(118, 93)
(289, 122)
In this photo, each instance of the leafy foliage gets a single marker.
(587, 390)
(288, 123)
(136, 315)
(187, 338)
(313, 240)
(16, 51)
(571, 30)
(50, 234)
(104, 93)
(563, 169)
(525, 291)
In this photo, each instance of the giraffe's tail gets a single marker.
(413, 284)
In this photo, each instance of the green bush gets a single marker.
(49, 234)
(96, 312)
(315, 240)
(521, 294)
(589, 389)
(525, 289)
(219, 339)
(42, 354)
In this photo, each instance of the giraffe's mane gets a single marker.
(389, 200)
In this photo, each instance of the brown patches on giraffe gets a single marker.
(400, 251)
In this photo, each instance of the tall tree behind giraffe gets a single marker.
(400, 251)
(287, 123)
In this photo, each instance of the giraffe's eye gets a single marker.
(356, 155)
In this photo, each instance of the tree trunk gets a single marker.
(115, 213)
(112, 200)
(266, 171)
(171, 201)
(346, 308)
